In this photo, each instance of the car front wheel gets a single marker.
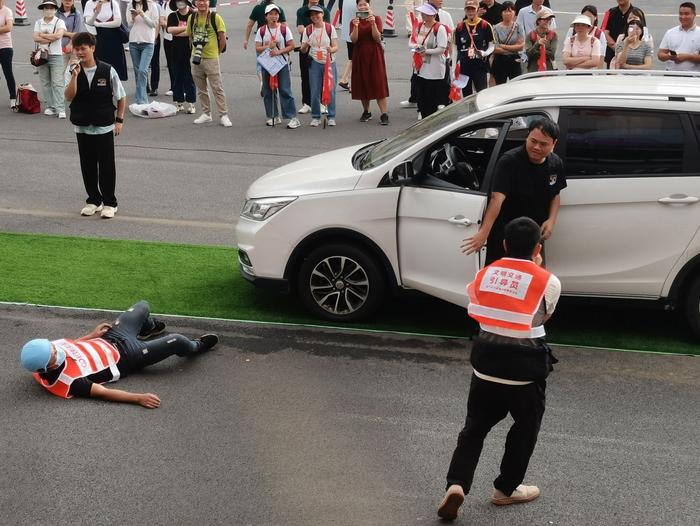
(340, 282)
(692, 306)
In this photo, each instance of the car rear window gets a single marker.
(613, 142)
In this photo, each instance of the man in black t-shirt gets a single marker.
(519, 4)
(527, 182)
(490, 10)
(613, 25)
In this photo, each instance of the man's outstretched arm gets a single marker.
(148, 400)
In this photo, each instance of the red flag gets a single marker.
(415, 24)
(542, 61)
(274, 82)
(455, 92)
(328, 82)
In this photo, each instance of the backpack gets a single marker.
(27, 99)
(310, 29)
(549, 36)
(283, 26)
(573, 37)
(484, 24)
(190, 22)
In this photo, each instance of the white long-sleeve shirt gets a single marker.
(109, 16)
(143, 28)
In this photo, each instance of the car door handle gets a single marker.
(477, 151)
(460, 220)
(679, 199)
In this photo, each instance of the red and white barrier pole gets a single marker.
(20, 14)
(389, 27)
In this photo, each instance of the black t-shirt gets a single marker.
(493, 14)
(181, 45)
(615, 23)
(529, 188)
(481, 35)
(519, 4)
(80, 387)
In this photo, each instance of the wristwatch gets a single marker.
(119, 120)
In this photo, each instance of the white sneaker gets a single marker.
(407, 104)
(50, 112)
(278, 120)
(304, 109)
(293, 123)
(90, 209)
(225, 121)
(61, 114)
(331, 122)
(189, 108)
(324, 109)
(204, 117)
(108, 212)
(268, 122)
(315, 123)
(13, 103)
(169, 93)
(180, 107)
(441, 106)
(520, 495)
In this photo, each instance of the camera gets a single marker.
(198, 48)
(362, 14)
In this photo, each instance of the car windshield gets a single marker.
(374, 155)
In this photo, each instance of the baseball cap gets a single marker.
(48, 3)
(272, 7)
(472, 3)
(545, 12)
(427, 9)
(35, 354)
(314, 9)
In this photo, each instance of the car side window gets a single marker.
(613, 142)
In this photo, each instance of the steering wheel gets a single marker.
(455, 167)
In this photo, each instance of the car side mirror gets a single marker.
(402, 173)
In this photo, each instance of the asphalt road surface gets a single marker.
(185, 183)
(299, 426)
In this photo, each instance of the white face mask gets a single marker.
(181, 5)
(137, 5)
(49, 11)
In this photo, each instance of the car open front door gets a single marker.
(431, 226)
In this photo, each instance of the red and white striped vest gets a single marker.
(505, 296)
(83, 358)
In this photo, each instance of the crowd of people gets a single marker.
(491, 44)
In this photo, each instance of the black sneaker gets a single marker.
(384, 119)
(206, 342)
(153, 93)
(158, 328)
(366, 115)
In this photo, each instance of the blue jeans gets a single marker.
(141, 55)
(284, 93)
(316, 70)
(183, 84)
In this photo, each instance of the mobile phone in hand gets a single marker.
(672, 53)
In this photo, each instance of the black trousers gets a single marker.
(477, 80)
(97, 166)
(430, 95)
(6, 63)
(505, 67)
(136, 354)
(304, 62)
(488, 404)
(155, 63)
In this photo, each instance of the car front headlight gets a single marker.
(261, 209)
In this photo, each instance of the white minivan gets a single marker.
(345, 228)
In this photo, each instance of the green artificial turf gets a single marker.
(205, 281)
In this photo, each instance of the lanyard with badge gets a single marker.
(319, 51)
(471, 52)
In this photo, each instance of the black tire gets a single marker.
(340, 282)
(692, 306)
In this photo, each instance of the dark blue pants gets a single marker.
(6, 63)
(184, 89)
(136, 354)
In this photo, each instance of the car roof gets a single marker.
(649, 85)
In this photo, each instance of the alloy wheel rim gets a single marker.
(339, 285)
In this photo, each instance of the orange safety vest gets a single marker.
(505, 296)
(83, 358)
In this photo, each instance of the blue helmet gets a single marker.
(36, 354)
